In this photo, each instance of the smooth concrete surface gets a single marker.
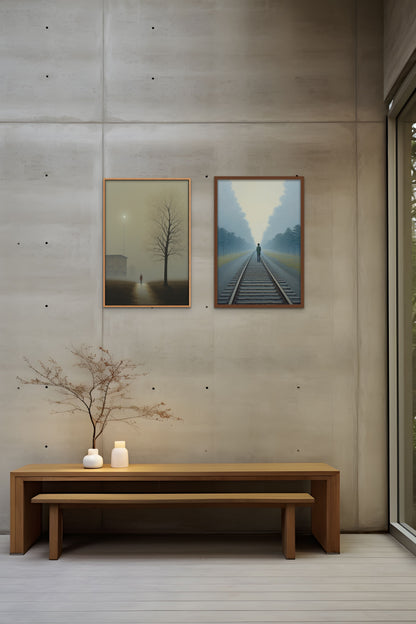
(238, 61)
(399, 42)
(249, 385)
(51, 61)
(369, 63)
(372, 323)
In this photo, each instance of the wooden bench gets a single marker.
(288, 503)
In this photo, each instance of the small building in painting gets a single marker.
(115, 266)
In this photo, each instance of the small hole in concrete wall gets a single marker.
(18, 243)
(46, 242)
(298, 387)
(153, 27)
(206, 176)
(206, 307)
(18, 387)
(46, 27)
(47, 76)
(206, 387)
(46, 175)
(46, 446)
(153, 388)
(297, 450)
(46, 387)
(46, 305)
(153, 77)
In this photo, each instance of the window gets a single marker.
(402, 313)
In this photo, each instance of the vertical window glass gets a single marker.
(406, 220)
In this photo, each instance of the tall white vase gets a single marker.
(119, 455)
(93, 459)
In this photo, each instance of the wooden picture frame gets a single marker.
(259, 242)
(146, 242)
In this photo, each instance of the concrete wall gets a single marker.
(399, 42)
(185, 88)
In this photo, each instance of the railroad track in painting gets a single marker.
(256, 283)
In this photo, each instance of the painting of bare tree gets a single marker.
(167, 237)
(146, 253)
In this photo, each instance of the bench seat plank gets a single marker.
(261, 498)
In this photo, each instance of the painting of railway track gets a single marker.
(259, 242)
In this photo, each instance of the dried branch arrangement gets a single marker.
(104, 396)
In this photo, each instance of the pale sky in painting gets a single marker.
(130, 209)
(258, 199)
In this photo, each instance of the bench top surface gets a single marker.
(225, 471)
(272, 498)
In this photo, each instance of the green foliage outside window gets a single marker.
(413, 218)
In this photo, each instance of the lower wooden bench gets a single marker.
(288, 503)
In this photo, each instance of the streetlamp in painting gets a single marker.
(124, 217)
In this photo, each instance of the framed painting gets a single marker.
(259, 242)
(146, 242)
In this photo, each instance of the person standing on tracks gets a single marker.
(258, 250)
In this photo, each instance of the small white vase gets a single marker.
(92, 460)
(119, 455)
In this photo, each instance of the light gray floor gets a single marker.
(207, 579)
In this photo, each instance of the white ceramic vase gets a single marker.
(119, 455)
(93, 459)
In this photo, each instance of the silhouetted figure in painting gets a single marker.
(258, 250)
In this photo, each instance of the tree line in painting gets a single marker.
(229, 243)
(287, 242)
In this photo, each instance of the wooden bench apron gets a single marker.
(287, 502)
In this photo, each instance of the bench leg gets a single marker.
(288, 531)
(55, 531)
